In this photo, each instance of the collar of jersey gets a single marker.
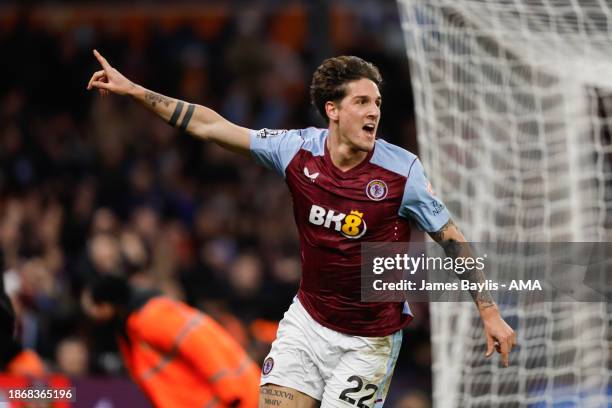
(345, 174)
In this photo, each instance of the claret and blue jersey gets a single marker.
(337, 211)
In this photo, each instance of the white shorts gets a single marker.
(337, 369)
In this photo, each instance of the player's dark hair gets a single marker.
(330, 79)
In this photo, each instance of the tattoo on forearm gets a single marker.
(451, 247)
(482, 298)
(177, 112)
(154, 98)
(438, 236)
(454, 249)
(187, 117)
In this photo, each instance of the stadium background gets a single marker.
(98, 185)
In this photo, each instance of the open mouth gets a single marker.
(369, 128)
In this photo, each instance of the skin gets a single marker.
(348, 144)
(204, 123)
(499, 334)
(271, 395)
(102, 312)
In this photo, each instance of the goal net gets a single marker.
(513, 103)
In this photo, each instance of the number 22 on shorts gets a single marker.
(361, 403)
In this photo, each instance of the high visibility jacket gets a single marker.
(26, 363)
(182, 358)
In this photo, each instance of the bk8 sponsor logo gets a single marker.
(351, 226)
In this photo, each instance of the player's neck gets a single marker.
(342, 155)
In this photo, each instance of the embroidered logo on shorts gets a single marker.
(376, 190)
(268, 365)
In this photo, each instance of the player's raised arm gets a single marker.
(500, 335)
(198, 120)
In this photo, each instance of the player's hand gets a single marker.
(109, 79)
(500, 336)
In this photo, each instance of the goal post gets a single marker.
(513, 103)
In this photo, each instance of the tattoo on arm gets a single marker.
(154, 98)
(439, 235)
(453, 248)
(482, 298)
(187, 117)
(177, 112)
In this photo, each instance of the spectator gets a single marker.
(72, 356)
(177, 355)
(91, 185)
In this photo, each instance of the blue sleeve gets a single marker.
(420, 203)
(274, 149)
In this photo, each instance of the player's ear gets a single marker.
(331, 108)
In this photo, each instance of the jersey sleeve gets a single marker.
(420, 203)
(274, 149)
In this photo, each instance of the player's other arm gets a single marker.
(195, 119)
(499, 334)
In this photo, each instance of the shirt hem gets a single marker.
(361, 333)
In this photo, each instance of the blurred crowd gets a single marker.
(97, 185)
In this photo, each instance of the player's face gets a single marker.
(359, 114)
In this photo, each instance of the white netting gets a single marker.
(514, 113)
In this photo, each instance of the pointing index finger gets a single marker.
(101, 60)
(505, 353)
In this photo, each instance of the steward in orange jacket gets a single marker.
(178, 356)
